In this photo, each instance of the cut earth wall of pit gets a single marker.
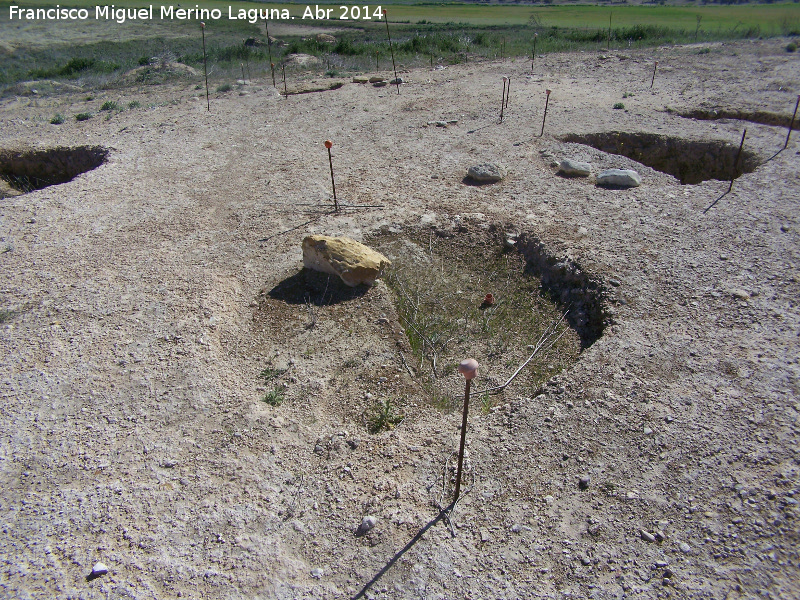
(28, 170)
(584, 295)
(690, 161)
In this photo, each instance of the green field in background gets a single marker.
(771, 18)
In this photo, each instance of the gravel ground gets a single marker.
(140, 308)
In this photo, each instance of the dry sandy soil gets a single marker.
(140, 308)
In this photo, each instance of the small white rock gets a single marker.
(575, 168)
(99, 569)
(367, 523)
(317, 573)
(619, 178)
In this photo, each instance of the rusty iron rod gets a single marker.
(791, 125)
(736, 162)
(546, 103)
(205, 64)
(463, 439)
(394, 65)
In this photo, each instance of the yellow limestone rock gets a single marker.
(354, 262)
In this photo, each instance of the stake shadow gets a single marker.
(773, 156)
(484, 127)
(320, 289)
(710, 206)
(442, 514)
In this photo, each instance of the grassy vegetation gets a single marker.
(383, 416)
(450, 33)
(440, 289)
(275, 396)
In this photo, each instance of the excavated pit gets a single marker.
(759, 116)
(441, 277)
(28, 170)
(689, 161)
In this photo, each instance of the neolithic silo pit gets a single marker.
(490, 295)
(690, 161)
(28, 170)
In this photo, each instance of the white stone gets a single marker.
(574, 168)
(367, 523)
(486, 173)
(619, 178)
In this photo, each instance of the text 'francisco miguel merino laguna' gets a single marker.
(171, 13)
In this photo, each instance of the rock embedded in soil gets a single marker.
(360, 79)
(486, 173)
(574, 168)
(354, 262)
(367, 523)
(99, 569)
(377, 79)
(619, 178)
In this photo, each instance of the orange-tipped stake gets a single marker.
(329, 145)
(205, 64)
(508, 91)
(546, 102)
(652, 81)
(469, 369)
(533, 60)
(272, 66)
(285, 89)
(388, 35)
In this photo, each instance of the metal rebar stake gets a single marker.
(463, 439)
(333, 183)
(503, 100)
(391, 49)
(546, 103)
(205, 64)
(791, 125)
(736, 162)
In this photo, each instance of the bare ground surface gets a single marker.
(138, 316)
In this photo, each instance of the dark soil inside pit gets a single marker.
(690, 161)
(28, 170)
(440, 284)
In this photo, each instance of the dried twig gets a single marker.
(546, 339)
(405, 364)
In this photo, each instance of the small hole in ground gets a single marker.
(28, 170)
(689, 161)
